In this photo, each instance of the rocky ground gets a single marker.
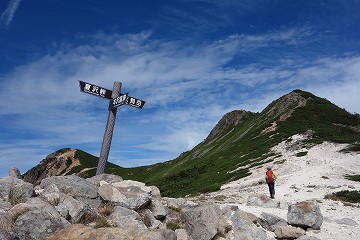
(106, 207)
(310, 177)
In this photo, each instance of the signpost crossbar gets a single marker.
(116, 100)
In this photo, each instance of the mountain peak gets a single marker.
(286, 104)
(228, 121)
(58, 163)
(239, 142)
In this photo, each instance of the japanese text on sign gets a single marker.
(95, 90)
(116, 102)
(135, 102)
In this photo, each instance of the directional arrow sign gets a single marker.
(95, 90)
(135, 102)
(116, 102)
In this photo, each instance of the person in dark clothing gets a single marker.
(270, 178)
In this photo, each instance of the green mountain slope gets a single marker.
(245, 141)
(240, 141)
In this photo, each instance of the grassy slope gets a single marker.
(207, 166)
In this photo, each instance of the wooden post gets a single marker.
(105, 148)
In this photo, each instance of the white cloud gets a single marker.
(337, 79)
(187, 89)
(9, 13)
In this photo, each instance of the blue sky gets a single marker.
(192, 61)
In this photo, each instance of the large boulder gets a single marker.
(109, 178)
(81, 232)
(243, 227)
(126, 218)
(157, 234)
(75, 210)
(270, 221)
(71, 185)
(149, 219)
(15, 190)
(177, 204)
(287, 232)
(52, 194)
(109, 193)
(204, 221)
(39, 203)
(261, 200)
(37, 224)
(305, 214)
(155, 192)
(174, 203)
(129, 194)
(158, 209)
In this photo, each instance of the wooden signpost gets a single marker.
(116, 100)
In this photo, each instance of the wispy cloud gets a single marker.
(187, 89)
(9, 13)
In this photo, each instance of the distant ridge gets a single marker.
(241, 140)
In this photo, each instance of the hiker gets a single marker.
(270, 178)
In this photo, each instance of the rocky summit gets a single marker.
(108, 207)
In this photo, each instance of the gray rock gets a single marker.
(109, 193)
(19, 209)
(157, 234)
(155, 192)
(230, 210)
(39, 203)
(130, 194)
(63, 211)
(5, 222)
(203, 221)
(51, 194)
(93, 203)
(261, 200)
(14, 172)
(305, 214)
(249, 217)
(158, 209)
(71, 185)
(6, 235)
(304, 237)
(175, 203)
(81, 232)
(126, 218)
(173, 217)
(4, 206)
(149, 219)
(109, 178)
(78, 211)
(282, 232)
(15, 190)
(243, 227)
(270, 221)
(37, 224)
(346, 221)
(181, 234)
